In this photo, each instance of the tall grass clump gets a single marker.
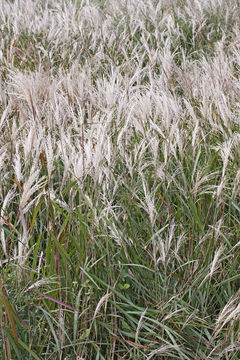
(119, 179)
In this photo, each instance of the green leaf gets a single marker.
(124, 286)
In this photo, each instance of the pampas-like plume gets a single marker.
(32, 185)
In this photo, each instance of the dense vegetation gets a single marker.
(119, 179)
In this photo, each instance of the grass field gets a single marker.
(120, 179)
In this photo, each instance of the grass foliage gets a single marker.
(119, 179)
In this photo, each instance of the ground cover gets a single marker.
(119, 179)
